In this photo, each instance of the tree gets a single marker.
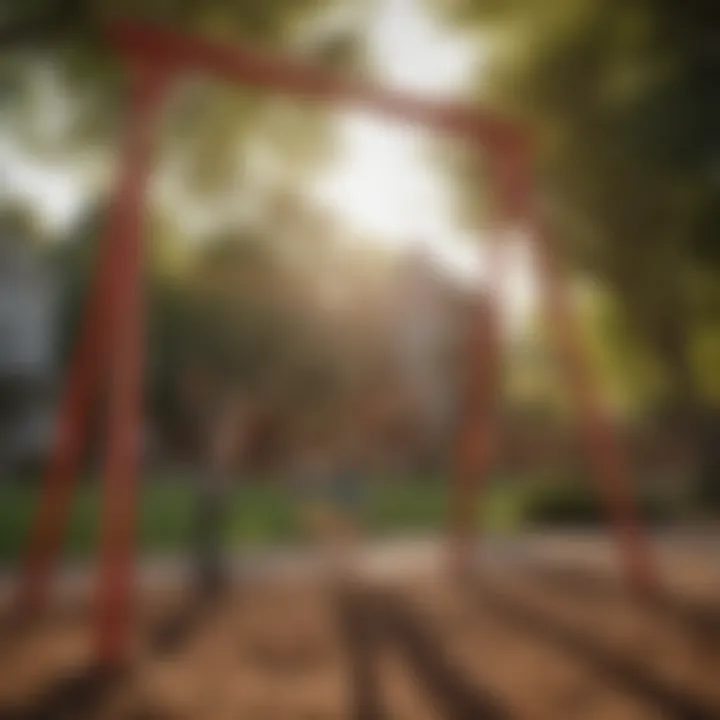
(63, 87)
(621, 103)
(622, 100)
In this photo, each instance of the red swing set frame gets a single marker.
(110, 345)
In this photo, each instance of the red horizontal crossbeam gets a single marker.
(253, 67)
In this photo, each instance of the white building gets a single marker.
(27, 302)
(429, 319)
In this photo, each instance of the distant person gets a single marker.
(211, 520)
(312, 467)
(348, 481)
(225, 423)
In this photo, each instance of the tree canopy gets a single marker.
(622, 101)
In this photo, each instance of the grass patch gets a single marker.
(260, 514)
(263, 514)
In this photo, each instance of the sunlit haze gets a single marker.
(59, 193)
(381, 179)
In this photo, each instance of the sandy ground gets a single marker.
(542, 629)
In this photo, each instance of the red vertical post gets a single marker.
(124, 429)
(477, 437)
(608, 462)
(86, 366)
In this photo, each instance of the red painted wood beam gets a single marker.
(609, 464)
(610, 467)
(87, 369)
(478, 432)
(114, 590)
(253, 67)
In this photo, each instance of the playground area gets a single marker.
(268, 463)
(544, 629)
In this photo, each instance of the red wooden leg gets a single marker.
(478, 431)
(610, 466)
(120, 498)
(86, 371)
(473, 459)
(124, 429)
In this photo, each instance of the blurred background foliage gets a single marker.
(622, 99)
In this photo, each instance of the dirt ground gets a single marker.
(536, 637)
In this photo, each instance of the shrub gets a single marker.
(577, 503)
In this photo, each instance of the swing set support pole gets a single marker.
(608, 462)
(114, 589)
